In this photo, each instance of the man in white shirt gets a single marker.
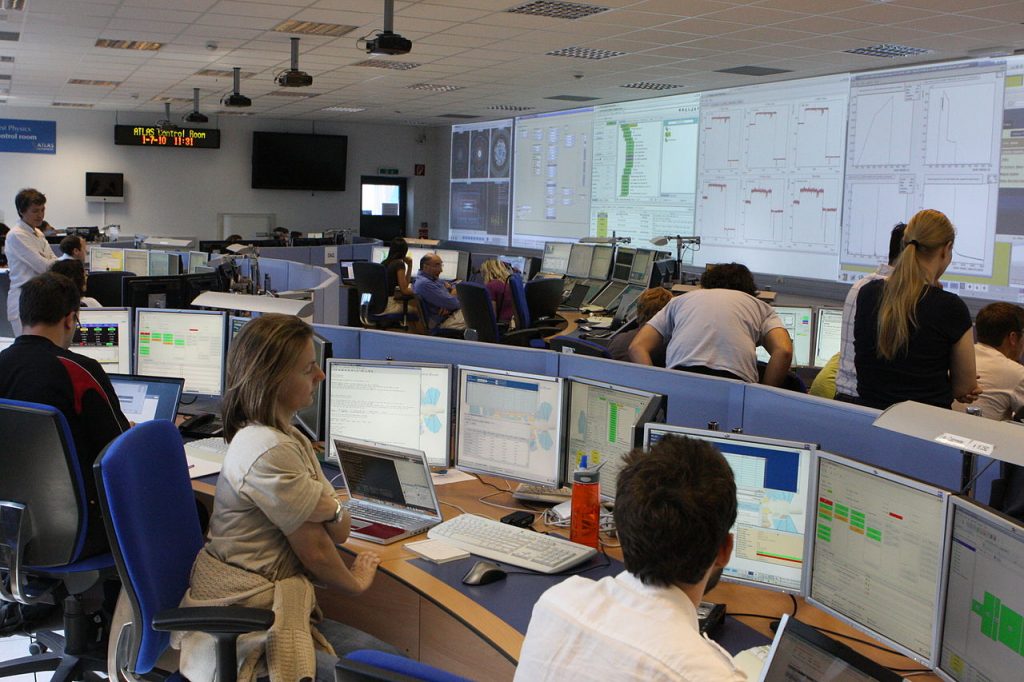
(28, 252)
(846, 375)
(74, 247)
(674, 507)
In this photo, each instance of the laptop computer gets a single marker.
(801, 652)
(391, 493)
(144, 398)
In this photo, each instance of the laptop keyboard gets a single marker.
(384, 516)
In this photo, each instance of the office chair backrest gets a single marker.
(150, 513)
(572, 344)
(39, 468)
(371, 278)
(107, 287)
(543, 296)
(478, 311)
(523, 317)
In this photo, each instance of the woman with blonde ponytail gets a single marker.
(912, 340)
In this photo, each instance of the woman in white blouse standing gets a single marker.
(28, 252)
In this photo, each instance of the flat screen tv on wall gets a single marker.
(299, 161)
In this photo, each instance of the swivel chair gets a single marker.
(107, 287)
(150, 514)
(542, 297)
(482, 323)
(578, 346)
(368, 665)
(370, 280)
(44, 523)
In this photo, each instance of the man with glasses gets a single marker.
(39, 368)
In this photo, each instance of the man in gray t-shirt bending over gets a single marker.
(716, 330)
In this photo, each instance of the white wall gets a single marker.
(181, 191)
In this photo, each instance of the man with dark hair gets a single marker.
(846, 375)
(28, 252)
(75, 271)
(674, 507)
(716, 330)
(73, 247)
(39, 368)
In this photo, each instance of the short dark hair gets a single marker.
(72, 269)
(28, 197)
(47, 299)
(995, 322)
(70, 243)
(896, 242)
(674, 507)
(734, 276)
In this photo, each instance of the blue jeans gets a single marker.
(345, 639)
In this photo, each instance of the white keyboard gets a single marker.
(542, 493)
(217, 446)
(510, 545)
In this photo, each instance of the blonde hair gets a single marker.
(493, 268)
(259, 360)
(928, 231)
(649, 303)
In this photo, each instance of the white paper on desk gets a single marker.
(199, 467)
(451, 476)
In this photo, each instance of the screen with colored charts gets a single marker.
(182, 343)
(104, 334)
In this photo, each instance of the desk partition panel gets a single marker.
(303, 276)
(847, 430)
(296, 254)
(693, 399)
(345, 341)
(364, 251)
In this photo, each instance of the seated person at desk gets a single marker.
(39, 368)
(398, 276)
(716, 330)
(496, 274)
(674, 507)
(648, 304)
(75, 271)
(275, 517)
(441, 306)
(74, 247)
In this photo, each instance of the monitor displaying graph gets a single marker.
(799, 322)
(104, 334)
(828, 335)
(189, 344)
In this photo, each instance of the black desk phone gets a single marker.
(206, 425)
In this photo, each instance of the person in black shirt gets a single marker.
(39, 368)
(912, 340)
(398, 276)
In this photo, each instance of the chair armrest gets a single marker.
(556, 321)
(522, 337)
(214, 619)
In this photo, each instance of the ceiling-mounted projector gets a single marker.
(387, 42)
(293, 78)
(166, 123)
(236, 99)
(195, 116)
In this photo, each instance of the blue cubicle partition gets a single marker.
(303, 276)
(365, 251)
(381, 345)
(847, 430)
(693, 399)
(344, 340)
(296, 254)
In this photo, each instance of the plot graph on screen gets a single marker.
(717, 208)
(887, 120)
(879, 207)
(953, 136)
(721, 137)
(814, 212)
(967, 206)
(763, 209)
(767, 133)
(821, 135)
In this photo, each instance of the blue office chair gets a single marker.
(573, 344)
(542, 298)
(482, 323)
(44, 523)
(421, 326)
(371, 666)
(150, 513)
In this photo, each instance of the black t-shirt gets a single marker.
(921, 371)
(391, 269)
(35, 370)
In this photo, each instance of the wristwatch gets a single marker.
(338, 512)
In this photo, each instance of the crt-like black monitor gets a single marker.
(623, 264)
(556, 258)
(154, 292)
(311, 419)
(198, 283)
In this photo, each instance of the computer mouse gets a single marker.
(483, 573)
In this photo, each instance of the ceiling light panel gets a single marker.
(753, 71)
(72, 105)
(144, 45)
(557, 10)
(85, 81)
(647, 85)
(509, 107)
(11, 36)
(387, 64)
(313, 28)
(345, 110)
(435, 87)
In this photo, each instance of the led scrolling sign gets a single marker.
(154, 136)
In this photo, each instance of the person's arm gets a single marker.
(325, 511)
(436, 294)
(315, 548)
(780, 347)
(963, 372)
(403, 279)
(646, 341)
(22, 250)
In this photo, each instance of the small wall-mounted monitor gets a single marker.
(104, 187)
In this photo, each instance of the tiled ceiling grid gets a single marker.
(470, 57)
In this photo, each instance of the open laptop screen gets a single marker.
(394, 478)
(146, 398)
(800, 652)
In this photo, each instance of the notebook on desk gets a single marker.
(392, 494)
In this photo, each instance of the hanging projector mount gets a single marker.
(194, 116)
(293, 78)
(387, 42)
(236, 99)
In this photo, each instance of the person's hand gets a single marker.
(364, 568)
(970, 396)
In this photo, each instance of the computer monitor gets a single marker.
(798, 322)
(519, 264)
(580, 258)
(627, 302)
(774, 487)
(399, 403)
(601, 262)
(876, 553)
(162, 263)
(609, 296)
(416, 253)
(105, 335)
(310, 419)
(136, 261)
(510, 424)
(154, 292)
(449, 263)
(643, 267)
(196, 260)
(101, 259)
(379, 253)
(827, 335)
(182, 343)
(235, 324)
(197, 283)
(556, 258)
(146, 398)
(605, 422)
(623, 264)
(980, 606)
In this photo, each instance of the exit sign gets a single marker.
(387, 171)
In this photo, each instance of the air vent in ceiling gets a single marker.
(85, 81)
(386, 64)
(435, 87)
(573, 98)
(889, 50)
(293, 94)
(11, 36)
(557, 10)
(144, 45)
(313, 28)
(647, 85)
(459, 116)
(6, 59)
(345, 110)
(223, 73)
(72, 105)
(585, 53)
(509, 107)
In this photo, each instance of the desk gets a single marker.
(435, 623)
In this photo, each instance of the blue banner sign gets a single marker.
(28, 137)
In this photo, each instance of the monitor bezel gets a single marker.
(817, 334)
(648, 271)
(231, 325)
(449, 450)
(611, 263)
(612, 304)
(589, 250)
(988, 514)
(315, 431)
(178, 382)
(544, 253)
(615, 258)
(657, 408)
(893, 477)
(223, 346)
(560, 411)
(819, 640)
(812, 330)
(812, 467)
(136, 251)
(131, 330)
(104, 249)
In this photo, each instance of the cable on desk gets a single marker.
(795, 606)
(455, 506)
(502, 506)
(188, 402)
(488, 483)
(334, 479)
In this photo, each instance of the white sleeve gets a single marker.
(22, 251)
